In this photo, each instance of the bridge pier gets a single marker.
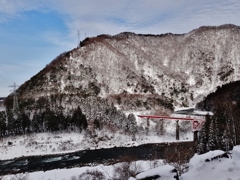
(148, 124)
(195, 136)
(177, 129)
(161, 127)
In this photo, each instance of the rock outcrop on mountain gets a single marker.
(139, 73)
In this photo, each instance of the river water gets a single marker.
(89, 157)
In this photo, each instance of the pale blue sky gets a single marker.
(34, 32)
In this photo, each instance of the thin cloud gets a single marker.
(142, 16)
(145, 16)
(10, 9)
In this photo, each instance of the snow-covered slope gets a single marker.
(221, 169)
(181, 67)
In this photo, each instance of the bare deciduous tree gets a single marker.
(126, 170)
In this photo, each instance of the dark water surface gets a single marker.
(89, 157)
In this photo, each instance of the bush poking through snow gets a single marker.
(126, 170)
(20, 176)
(162, 172)
(179, 158)
(93, 175)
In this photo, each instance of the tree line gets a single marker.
(47, 115)
(22, 122)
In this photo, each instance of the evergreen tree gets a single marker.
(3, 127)
(237, 121)
(202, 141)
(51, 121)
(96, 124)
(25, 122)
(79, 119)
(203, 136)
(35, 123)
(211, 137)
(64, 121)
(226, 143)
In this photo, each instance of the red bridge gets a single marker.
(197, 123)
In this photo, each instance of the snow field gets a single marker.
(219, 169)
(67, 174)
(54, 143)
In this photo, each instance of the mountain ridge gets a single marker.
(179, 69)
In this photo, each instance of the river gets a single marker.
(89, 157)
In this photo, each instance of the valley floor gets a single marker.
(54, 143)
(205, 166)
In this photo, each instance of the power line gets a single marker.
(1, 70)
(78, 36)
(3, 76)
(4, 79)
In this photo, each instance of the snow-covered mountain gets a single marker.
(142, 72)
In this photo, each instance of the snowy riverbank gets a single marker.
(205, 166)
(54, 143)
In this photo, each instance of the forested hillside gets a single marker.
(222, 130)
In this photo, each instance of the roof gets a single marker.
(192, 111)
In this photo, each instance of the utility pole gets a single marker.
(15, 100)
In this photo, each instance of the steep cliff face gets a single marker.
(143, 72)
